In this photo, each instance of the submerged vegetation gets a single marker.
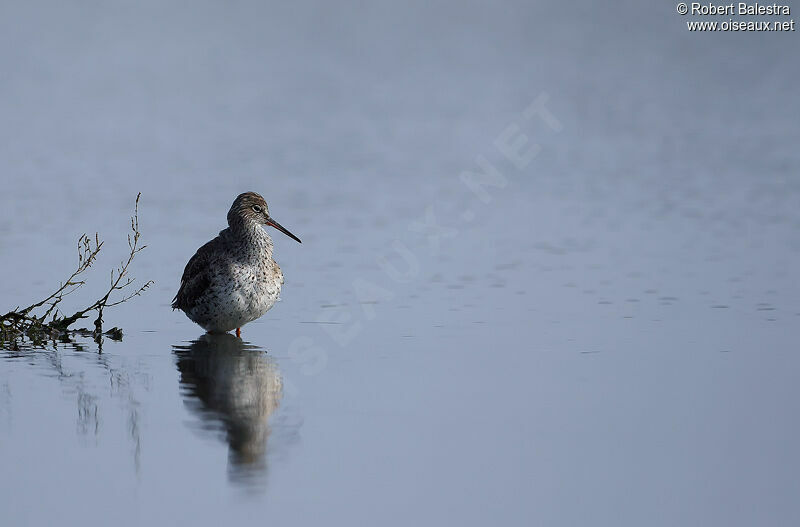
(45, 321)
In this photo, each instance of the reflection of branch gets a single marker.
(22, 323)
(86, 382)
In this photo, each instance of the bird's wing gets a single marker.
(196, 279)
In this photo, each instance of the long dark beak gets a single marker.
(280, 227)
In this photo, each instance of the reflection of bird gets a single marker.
(236, 385)
(233, 280)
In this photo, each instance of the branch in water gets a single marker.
(20, 323)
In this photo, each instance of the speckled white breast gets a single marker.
(251, 294)
(242, 289)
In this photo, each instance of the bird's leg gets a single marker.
(239, 332)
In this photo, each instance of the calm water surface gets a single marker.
(604, 335)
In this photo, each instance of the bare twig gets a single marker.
(21, 323)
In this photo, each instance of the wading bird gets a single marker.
(233, 279)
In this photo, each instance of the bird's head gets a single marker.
(250, 208)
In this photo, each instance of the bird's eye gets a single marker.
(257, 209)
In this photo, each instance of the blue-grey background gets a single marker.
(609, 339)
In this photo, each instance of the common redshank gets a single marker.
(233, 279)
